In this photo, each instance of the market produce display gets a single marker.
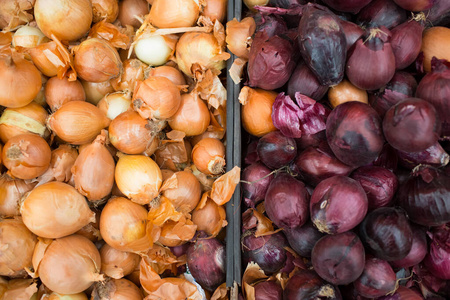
(345, 115)
(113, 175)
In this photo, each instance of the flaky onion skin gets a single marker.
(116, 289)
(117, 264)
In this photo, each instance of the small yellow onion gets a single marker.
(95, 91)
(11, 191)
(17, 244)
(192, 116)
(117, 264)
(257, 110)
(345, 91)
(114, 104)
(54, 210)
(49, 58)
(20, 81)
(96, 60)
(56, 296)
(59, 91)
(156, 98)
(63, 158)
(130, 11)
(155, 50)
(170, 73)
(209, 217)
(105, 10)
(68, 265)
(138, 177)
(117, 289)
(77, 122)
(123, 225)
(174, 13)
(435, 42)
(238, 36)
(215, 9)
(133, 72)
(27, 119)
(93, 170)
(186, 193)
(208, 156)
(252, 3)
(26, 156)
(68, 20)
(28, 37)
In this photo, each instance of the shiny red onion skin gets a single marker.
(268, 290)
(352, 32)
(382, 13)
(438, 259)
(415, 5)
(271, 24)
(377, 279)
(352, 6)
(259, 178)
(303, 238)
(305, 82)
(406, 42)
(307, 285)
(276, 150)
(432, 156)
(418, 249)
(338, 204)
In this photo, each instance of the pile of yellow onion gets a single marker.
(112, 145)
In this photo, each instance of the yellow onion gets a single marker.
(93, 170)
(20, 81)
(130, 11)
(123, 225)
(133, 72)
(68, 265)
(117, 289)
(17, 244)
(256, 110)
(27, 119)
(170, 73)
(20, 289)
(208, 156)
(209, 217)
(176, 233)
(239, 35)
(95, 91)
(192, 116)
(11, 191)
(174, 155)
(252, 3)
(60, 91)
(117, 264)
(215, 9)
(50, 58)
(96, 60)
(54, 210)
(435, 43)
(155, 50)
(138, 177)
(199, 48)
(185, 194)
(28, 37)
(13, 13)
(132, 134)
(26, 156)
(56, 296)
(40, 97)
(105, 10)
(92, 230)
(77, 122)
(68, 20)
(61, 163)
(175, 13)
(114, 104)
(345, 91)
(156, 98)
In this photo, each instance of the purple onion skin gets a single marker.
(206, 262)
(435, 88)
(322, 44)
(406, 42)
(382, 13)
(305, 82)
(403, 293)
(285, 3)
(438, 259)
(387, 159)
(311, 140)
(276, 150)
(387, 233)
(417, 252)
(439, 14)
(433, 156)
(352, 32)
(338, 204)
(267, 251)
(307, 285)
(402, 86)
(354, 133)
(412, 125)
(339, 258)
(429, 281)
(259, 177)
(352, 6)
(379, 183)
(268, 290)
(272, 25)
(286, 201)
(303, 238)
(415, 5)
(377, 279)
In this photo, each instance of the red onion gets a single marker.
(338, 204)
(339, 258)
(268, 290)
(352, 6)
(439, 14)
(377, 280)
(256, 179)
(276, 150)
(303, 238)
(285, 3)
(379, 183)
(382, 13)
(352, 32)
(438, 259)
(428, 281)
(406, 41)
(417, 252)
(435, 88)
(412, 125)
(354, 133)
(305, 82)
(386, 233)
(350, 293)
(387, 159)
(371, 62)
(432, 156)
(415, 5)
(250, 154)
(403, 293)
(307, 285)
(287, 201)
(311, 140)
(272, 25)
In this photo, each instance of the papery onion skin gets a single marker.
(75, 253)
(11, 191)
(133, 72)
(238, 36)
(17, 244)
(61, 164)
(382, 13)
(128, 9)
(438, 259)
(377, 280)
(268, 290)
(59, 91)
(276, 150)
(210, 218)
(10, 10)
(435, 41)
(117, 264)
(302, 239)
(67, 20)
(116, 289)
(418, 249)
(256, 111)
(186, 195)
(55, 210)
(256, 179)
(432, 156)
(105, 10)
(208, 156)
(179, 13)
(192, 116)
(406, 42)
(306, 284)
(28, 37)
(306, 83)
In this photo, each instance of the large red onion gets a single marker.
(272, 25)
(354, 133)
(287, 201)
(382, 13)
(432, 156)
(377, 280)
(338, 204)
(276, 150)
(352, 32)
(268, 290)
(415, 5)
(439, 14)
(303, 238)
(406, 41)
(256, 179)
(438, 259)
(417, 252)
(371, 62)
(403, 293)
(339, 258)
(352, 6)
(412, 125)
(305, 82)
(307, 285)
